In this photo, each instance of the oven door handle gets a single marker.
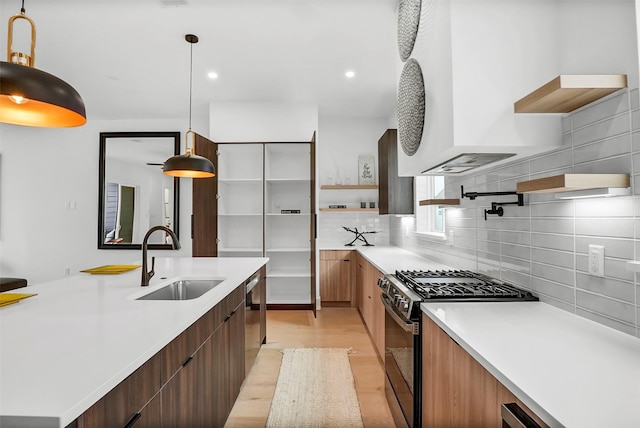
(408, 326)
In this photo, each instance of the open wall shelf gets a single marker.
(345, 210)
(348, 186)
(572, 182)
(449, 202)
(566, 93)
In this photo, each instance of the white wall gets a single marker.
(343, 140)
(262, 121)
(42, 172)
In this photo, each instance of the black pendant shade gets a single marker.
(47, 101)
(31, 97)
(189, 166)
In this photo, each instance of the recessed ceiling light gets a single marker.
(350, 74)
(212, 75)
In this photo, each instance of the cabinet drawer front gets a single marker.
(335, 254)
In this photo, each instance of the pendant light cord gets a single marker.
(22, 9)
(190, 83)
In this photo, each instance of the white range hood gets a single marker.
(479, 57)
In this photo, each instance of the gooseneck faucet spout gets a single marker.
(175, 244)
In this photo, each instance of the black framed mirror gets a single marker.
(133, 193)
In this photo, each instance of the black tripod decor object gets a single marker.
(359, 237)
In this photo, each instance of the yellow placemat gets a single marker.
(110, 269)
(10, 298)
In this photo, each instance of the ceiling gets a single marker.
(129, 60)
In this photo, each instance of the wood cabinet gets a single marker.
(395, 193)
(457, 390)
(378, 320)
(193, 381)
(337, 283)
(369, 301)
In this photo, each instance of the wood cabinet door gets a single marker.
(476, 392)
(151, 414)
(204, 221)
(368, 290)
(179, 397)
(360, 273)
(378, 318)
(236, 347)
(123, 403)
(218, 372)
(335, 278)
(437, 389)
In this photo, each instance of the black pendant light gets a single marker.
(189, 164)
(31, 97)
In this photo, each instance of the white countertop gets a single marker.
(389, 259)
(64, 349)
(569, 370)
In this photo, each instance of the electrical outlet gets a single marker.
(596, 260)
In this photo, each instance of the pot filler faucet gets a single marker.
(175, 244)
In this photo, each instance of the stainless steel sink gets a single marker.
(185, 289)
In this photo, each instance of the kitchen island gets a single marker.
(64, 349)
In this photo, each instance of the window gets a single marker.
(429, 218)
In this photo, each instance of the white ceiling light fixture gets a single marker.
(212, 75)
(350, 74)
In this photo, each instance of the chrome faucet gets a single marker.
(175, 244)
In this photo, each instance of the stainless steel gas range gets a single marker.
(402, 294)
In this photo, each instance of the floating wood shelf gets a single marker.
(342, 210)
(440, 202)
(571, 182)
(348, 186)
(566, 93)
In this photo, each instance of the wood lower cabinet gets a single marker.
(456, 390)
(127, 400)
(378, 321)
(192, 382)
(369, 301)
(336, 278)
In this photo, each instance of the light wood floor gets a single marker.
(333, 328)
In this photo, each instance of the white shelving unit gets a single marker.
(288, 187)
(240, 204)
(257, 182)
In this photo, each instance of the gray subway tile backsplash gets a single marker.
(610, 147)
(615, 309)
(544, 245)
(549, 162)
(607, 108)
(553, 273)
(609, 127)
(618, 164)
(614, 247)
(616, 228)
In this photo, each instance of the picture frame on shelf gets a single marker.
(366, 169)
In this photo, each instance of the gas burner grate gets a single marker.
(461, 285)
